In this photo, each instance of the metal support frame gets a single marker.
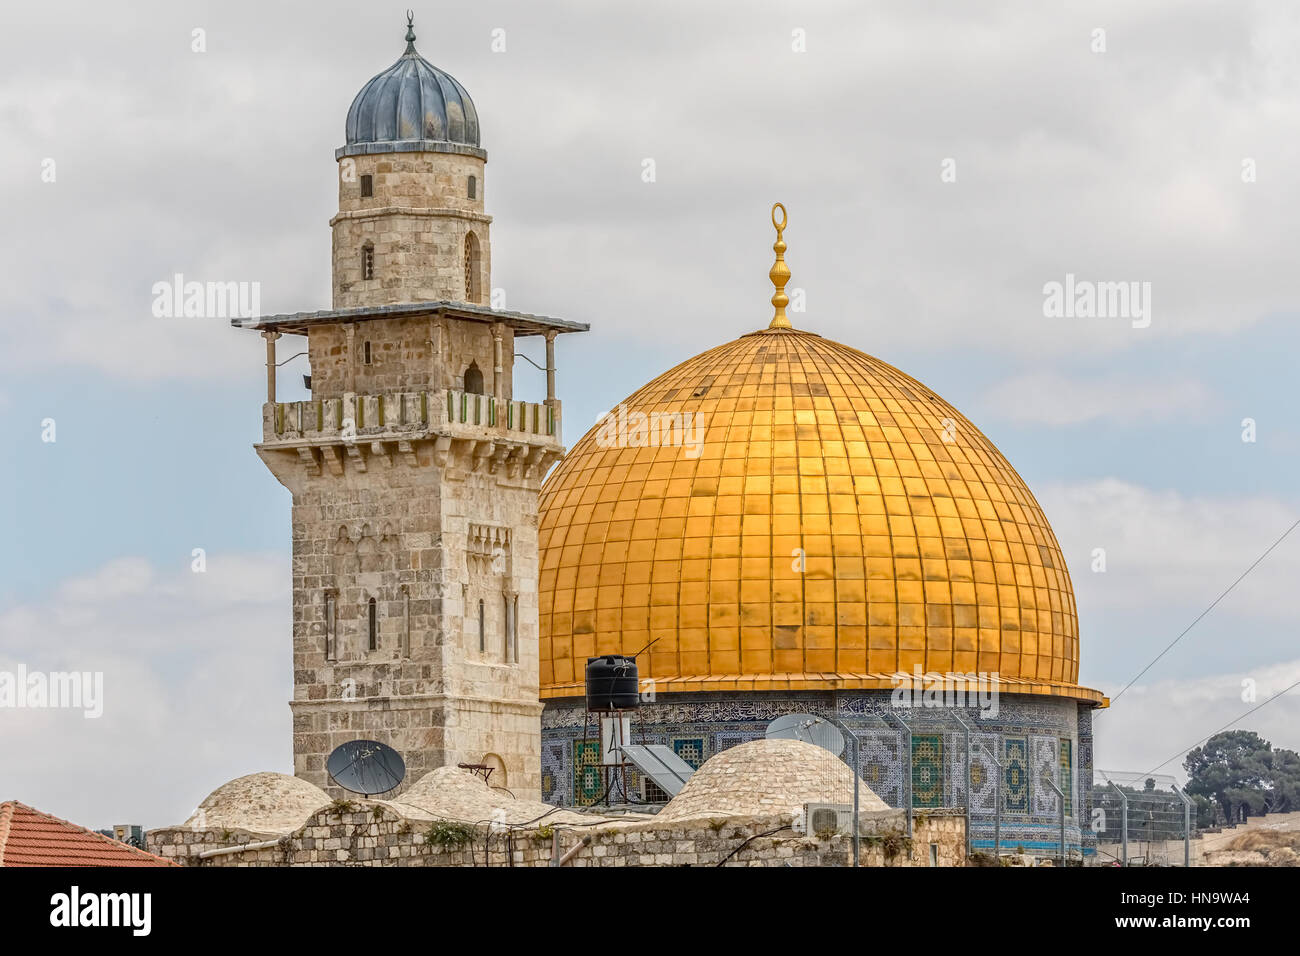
(856, 764)
(907, 777)
(997, 804)
(1187, 825)
(1123, 809)
(965, 727)
(1060, 804)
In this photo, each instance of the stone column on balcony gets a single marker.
(270, 364)
(437, 347)
(498, 369)
(351, 333)
(550, 367)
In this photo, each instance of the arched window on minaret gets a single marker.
(368, 261)
(474, 379)
(473, 268)
(482, 628)
(373, 610)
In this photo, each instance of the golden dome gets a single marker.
(839, 525)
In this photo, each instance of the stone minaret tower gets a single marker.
(414, 471)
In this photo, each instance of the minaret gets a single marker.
(411, 225)
(414, 471)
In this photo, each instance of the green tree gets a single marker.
(1232, 768)
(1202, 811)
(1284, 781)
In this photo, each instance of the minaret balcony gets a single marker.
(478, 429)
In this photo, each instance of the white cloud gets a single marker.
(1051, 398)
(1173, 550)
(197, 673)
(1119, 166)
(1154, 722)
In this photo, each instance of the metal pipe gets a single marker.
(575, 850)
(226, 850)
(1060, 803)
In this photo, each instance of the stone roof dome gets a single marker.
(412, 106)
(260, 802)
(920, 546)
(768, 778)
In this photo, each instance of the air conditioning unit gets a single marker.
(823, 818)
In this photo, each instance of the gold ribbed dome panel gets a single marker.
(919, 552)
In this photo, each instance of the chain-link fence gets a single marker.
(1141, 820)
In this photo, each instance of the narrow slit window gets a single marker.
(473, 187)
(365, 352)
(367, 186)
(505, 631)
(373, 609)
(367, 261)
(331, 648)
(482, 629)
(406, 623)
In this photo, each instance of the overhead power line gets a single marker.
(1206, 611)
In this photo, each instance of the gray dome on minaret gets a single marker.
(412, 107)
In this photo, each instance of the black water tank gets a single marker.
(612, 683)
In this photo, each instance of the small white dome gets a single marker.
(260, 802)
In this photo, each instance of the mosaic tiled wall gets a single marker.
(1031, 736)
(1083, 777)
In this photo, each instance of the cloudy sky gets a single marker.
(941, 163)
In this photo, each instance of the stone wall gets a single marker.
(416, 534)
(407, 355)
(375, 835)
(416, 223)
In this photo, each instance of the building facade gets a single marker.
(830, 532)
(414, 471)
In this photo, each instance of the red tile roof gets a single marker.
(31, 838)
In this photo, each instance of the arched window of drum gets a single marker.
(473, 187)
(472, 268)
(482, 629)
(368, 261)
(373, 620)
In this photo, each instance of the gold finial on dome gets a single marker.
(780, 273)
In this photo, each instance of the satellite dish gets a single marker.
(366, 766)
(809, 728)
